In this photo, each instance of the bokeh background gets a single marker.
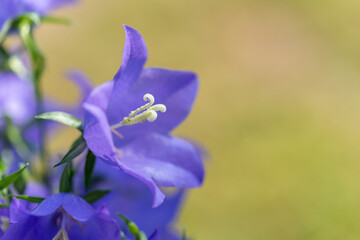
(278, 108)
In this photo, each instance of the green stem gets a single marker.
(37, 62)
(13, 135)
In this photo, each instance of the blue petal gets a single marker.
(83, 222)
(102, 226)
(177, 90)
(75, 206)
(132, 198)
(98, 226)
(17, 98)
(39, 228)
(99, 97)
(98, 135)
(133, 60)
(160, 160)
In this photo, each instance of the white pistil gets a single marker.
(146, 112)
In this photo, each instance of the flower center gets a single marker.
(146, 112)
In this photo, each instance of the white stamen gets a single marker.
(62, 233)
(150, 98)
(146, 112)
(153, 116)
(158, 107)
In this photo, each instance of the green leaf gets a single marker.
(20, 184)
(30, 199)
(56, 20)
(76, 149)
(65, 179)
(95, 195)
(133, 228)
(89, 167)
(13, 23)
(6, 181)
(2, 205)
(14, 135)
(63, 118)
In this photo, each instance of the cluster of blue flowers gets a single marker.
(113, 182)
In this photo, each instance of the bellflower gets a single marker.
(132, 198)
(13, 8)
(116, 130)
(61, 216)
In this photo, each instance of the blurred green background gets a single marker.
(278, 108)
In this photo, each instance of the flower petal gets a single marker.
(133, 60)
(17, 98)
(75, 206)
(101, 226)
(88, 224)
(160, 160)
(96, 127)
(98, 135)
(19, 210)
(175, 89)
(39, 228)
(133, 199)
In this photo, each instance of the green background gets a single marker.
(278, 108)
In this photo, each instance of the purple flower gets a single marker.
(13, 8)
(32, 189)
(63, 216)
(133, 199)
(116, 130)
(17, 99)
(18, 102)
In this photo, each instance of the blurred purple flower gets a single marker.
(17, 99)
(13, 8)
(145, 151)
(18, 103)
(59, 215)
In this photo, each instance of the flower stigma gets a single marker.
(146, 112)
